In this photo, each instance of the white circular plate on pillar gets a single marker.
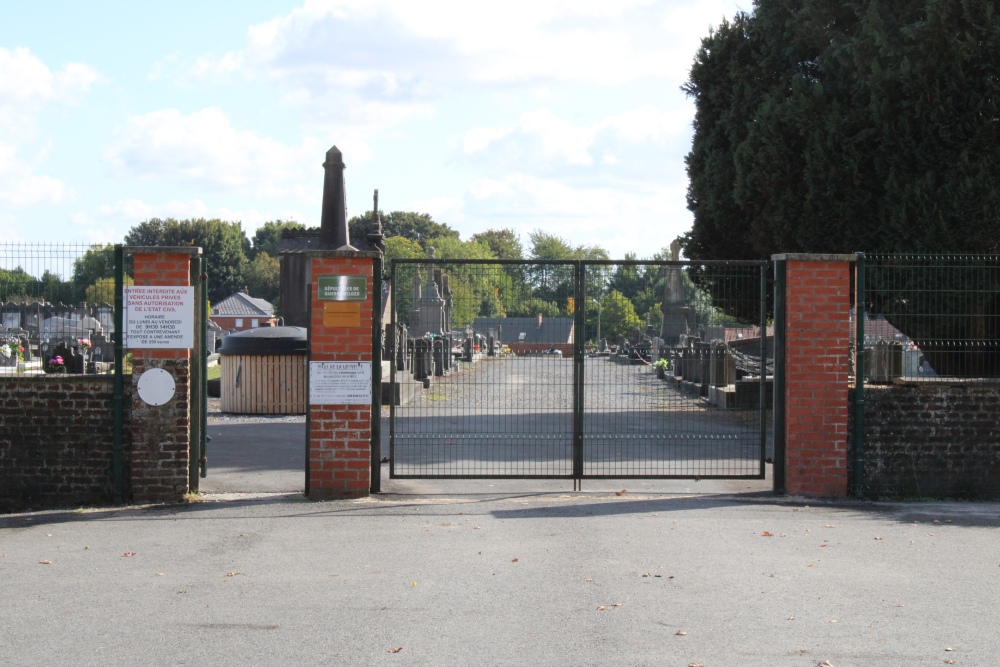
(156, 386)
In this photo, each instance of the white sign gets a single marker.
(159, 317)
(156, 386)
(340, 383)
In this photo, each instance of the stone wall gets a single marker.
(937, 439)
(56, 440)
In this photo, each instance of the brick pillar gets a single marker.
(817, 340)
(339, 462)
(161, 434)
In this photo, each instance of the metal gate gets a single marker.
(578, 369)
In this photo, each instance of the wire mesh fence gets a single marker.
(929, 316)
(549, 369)
(56, 308)
(675, 387)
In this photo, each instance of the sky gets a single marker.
(565, 116)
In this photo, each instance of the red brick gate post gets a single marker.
(817, 338)
(339, 416)
(161, 433)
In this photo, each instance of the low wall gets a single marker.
(56, 440)
(931, 439)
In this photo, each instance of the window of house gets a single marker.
(255, 322)
(239, 322)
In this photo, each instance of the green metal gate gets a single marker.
(578, 369)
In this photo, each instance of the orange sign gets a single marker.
(342, 314)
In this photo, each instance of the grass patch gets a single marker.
(214, 372)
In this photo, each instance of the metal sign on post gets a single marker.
(340, 383)
(342, 288)
(159, 317)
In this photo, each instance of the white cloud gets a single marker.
(203, 149)
(541, 141)
(27, 85)
(332, 55)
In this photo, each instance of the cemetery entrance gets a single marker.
(578, 369)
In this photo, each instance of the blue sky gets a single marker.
(564, 116)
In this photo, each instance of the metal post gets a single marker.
(779, 377)
(196, 379)
(859, 377)
(763, 369)
(118, 389)
(580, 296)
(205, 439)
(392, 380)
(377, 330)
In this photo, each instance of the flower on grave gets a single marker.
(662, 363)
(6, 350)
(56, 362)
(84, 343)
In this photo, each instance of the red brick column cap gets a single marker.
(813, 257)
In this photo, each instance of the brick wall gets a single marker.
(339, 461)
(160, 458)
(56, 441)
(817, 339)
(935, 439)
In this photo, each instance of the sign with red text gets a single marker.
(159, 317)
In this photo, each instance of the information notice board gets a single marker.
(340, 383)
(159, 317)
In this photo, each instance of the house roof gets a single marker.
(242, 305)
(552, 330)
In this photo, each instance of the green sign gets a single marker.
(342, 288)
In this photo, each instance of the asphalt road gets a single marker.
(533, 579)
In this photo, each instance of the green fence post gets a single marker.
(779, 377)
(118, 392)
(859, 377)
(377, 331)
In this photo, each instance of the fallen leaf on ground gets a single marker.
(948, 648)
(791, 618)
(127, 554)
(514, 560)
(680, 632)
(45, 562)
(695, 664)
(878, 538)
(161, 574)
(621, 493)
(949, 662)
(833, 620)
(588, 580)
(829, 525)
(647, 575)
(394, 650)
(232, 574)
(50, 534)
(600, 608)
(825, 663)
(617, 604)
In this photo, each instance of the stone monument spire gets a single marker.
(374, 237)
(333, 232)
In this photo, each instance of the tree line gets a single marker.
(625, 296)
